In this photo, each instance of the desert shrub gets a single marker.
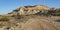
(4, 18)
(13, 16)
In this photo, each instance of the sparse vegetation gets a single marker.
(50, 13)
(4, 18)
(54, 12)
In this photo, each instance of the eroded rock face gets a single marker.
(27, 10)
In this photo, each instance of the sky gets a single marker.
(7, 6)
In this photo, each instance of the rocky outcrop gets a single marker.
(36, 9)
(27, 10)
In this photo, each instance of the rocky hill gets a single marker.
(37, 17)
(27, 10)
(41, 9)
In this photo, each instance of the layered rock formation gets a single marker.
(32, 9)
(27, 10)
